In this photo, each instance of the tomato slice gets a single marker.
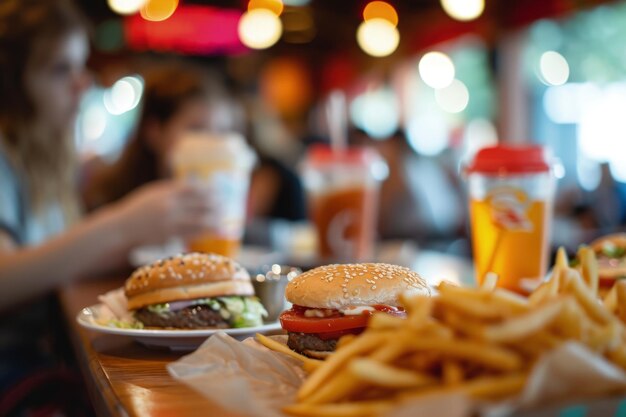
(292, 321)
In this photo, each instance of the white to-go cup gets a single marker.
(221, 165)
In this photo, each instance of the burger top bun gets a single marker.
(611, 251)
(617, 240)
(339, 286)
(186, 277)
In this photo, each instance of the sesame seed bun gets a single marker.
(610, 269)
(186, 277)
(617, 240)
(339, 286)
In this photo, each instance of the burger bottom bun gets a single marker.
(317, 354)
(190, 292)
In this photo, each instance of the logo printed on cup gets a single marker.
(509, 208)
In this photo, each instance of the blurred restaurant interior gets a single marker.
(401, 94)
(431, 84)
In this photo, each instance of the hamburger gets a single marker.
(193, 291)
(610, 251)
(335, 300)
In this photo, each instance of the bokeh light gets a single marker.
(453, 98)
(126, 7)
(600, 130)
(376, 112)
(428, 133)
(479, 133)
(286, 85)
(463, 9)
(259, 28)
(567, 103)
(158, 10)
(275, 6)
(436, 69)
(378, 37)
(380, 10)
(124, 95)
(553, 67)
(94, 123)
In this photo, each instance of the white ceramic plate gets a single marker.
(172, 339)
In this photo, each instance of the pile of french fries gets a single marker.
(481, 341)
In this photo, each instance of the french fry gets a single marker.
(484, 387)
(452, 373)
(380, 374)
(588, 302)
(524, 325)
(385, 321)
(471, 307)
(308, 363)
(620, 295)
(420, 312)
(489, 282)
(494, 387)
(561, 261)
(491, 356)
(366, 343)
(541, 293)
(589, 268)
(337, 388)
(345, 340)
(512, 301)
(610, 299)
(343, 383)
(605, 338)
(462, 325)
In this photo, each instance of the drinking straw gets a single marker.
(337, 123)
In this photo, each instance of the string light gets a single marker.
(275, 6)
(554, 68)
(436, 69)
(126, 7)
(380, 10)
(259, 28)
(158, 10)
(463, 9)
(378, 37)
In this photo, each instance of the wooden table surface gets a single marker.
(125, 378)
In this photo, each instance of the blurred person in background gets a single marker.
(178, 98)
(420, 200)
(43, 243)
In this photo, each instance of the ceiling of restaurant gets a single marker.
(336, 21)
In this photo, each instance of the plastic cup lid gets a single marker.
(510, 159)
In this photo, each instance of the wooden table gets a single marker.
(128, 379)
(125, 378)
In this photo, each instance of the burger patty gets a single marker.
(300, 342)
(192, 317)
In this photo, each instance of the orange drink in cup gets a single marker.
(511, 191)
(342, 189)
(220, 165)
